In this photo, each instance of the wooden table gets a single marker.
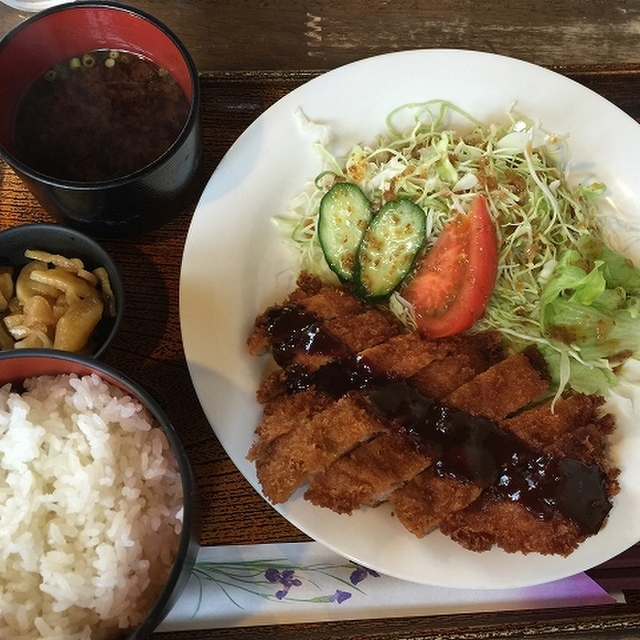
(250, 54)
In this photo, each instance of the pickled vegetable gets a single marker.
(55, 302)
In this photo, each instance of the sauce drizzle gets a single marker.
(465, 447)
(473, 449)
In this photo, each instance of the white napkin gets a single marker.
(251, 585)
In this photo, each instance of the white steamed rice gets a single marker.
(90, 509)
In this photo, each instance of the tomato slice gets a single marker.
(454, 282)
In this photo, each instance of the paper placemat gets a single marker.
(251, 585)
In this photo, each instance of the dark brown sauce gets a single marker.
(464, 447)
(293, 330)
(98, 117)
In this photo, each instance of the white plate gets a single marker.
(235, 264)
(33, 5)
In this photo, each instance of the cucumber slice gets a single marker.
(345, 213)
(388, 249)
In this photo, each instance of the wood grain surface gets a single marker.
(232, 35)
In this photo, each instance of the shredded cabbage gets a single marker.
(559, 285)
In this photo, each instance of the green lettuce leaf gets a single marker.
(591, 307)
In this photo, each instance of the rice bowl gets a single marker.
(95, 523)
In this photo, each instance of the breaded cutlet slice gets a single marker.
(291, 459)
(504, 388)
(325, 301)
(272, 387)
(354, 333)
(470, 355)
(443, 376)
(423, 502)
(284, 414)
(484, 348)
(368, 474)
(361, 331)
(544, 424)
(397, 358)
(574, 427)
(372, 471)
(490, 395)
(336, 338)
(491, 521)
(403, 355)
(588, 443)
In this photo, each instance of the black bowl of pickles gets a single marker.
(59, 289)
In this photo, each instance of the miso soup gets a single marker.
(99, 116)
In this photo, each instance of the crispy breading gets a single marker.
(470, 355)
(272, 387)
(479, 397)
(368, 474)
(404, 355)
(323, 300)
(285, 414)
(291, 459)
(443, 376)
(258, 341)
(316, 430)
(421, 504)
(575, 431)
(542, 425)
(588, 443)
(488, 522)
(363, 330)
(355, 332)
(372, 471)
(502, 389)
(307, 284)
(484, 348)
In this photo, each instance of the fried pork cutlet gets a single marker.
(544, 424)
(316, 326)
(364, 413)
(403, 355)
(368, 474)
(324, 301)
(526, 525)
(291, 459)
(429, 497)
(588, 444)
(325, 308)
(385, 354)
(372, 471)
(342, 335)
(470, 354)
(421, 504)
(504, 388)
(490, 520)
(284, 414)
(493, 520)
